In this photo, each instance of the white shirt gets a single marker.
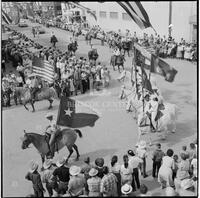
(168, 162)
(134, 162)
(126, 171)
(142, 153)
(154, 106)
(28, 82)
(194, 164)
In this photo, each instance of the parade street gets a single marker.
(114, 132)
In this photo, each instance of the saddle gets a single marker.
(58, 137)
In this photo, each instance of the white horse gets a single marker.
(165, 124)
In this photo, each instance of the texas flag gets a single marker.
(69, 115)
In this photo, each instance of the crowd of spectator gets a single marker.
(176, 174)
(72, 74)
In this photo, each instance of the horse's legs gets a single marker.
(50, 101)
(174, 127)
(43, 159)
(26, 107)
(32, 104)
(76, 149)
(70, 153)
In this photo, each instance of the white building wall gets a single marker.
(158, 13)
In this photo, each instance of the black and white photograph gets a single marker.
(99, 98)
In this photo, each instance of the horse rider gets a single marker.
(51, 130)
(152, 112)
(34, 86)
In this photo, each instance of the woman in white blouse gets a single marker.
(165, 171)
(126, 172)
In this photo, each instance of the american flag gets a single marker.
(46, 71)
(6, 18)
(136, 11)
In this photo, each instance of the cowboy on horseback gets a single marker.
(51, 130)
(34, 86)
(151, 109)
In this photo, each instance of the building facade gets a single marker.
(110, 16)
(52, 8)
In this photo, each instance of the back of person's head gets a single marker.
(99, 162)
(105, 170)
(158, 145)
(183, 156)
(131, 153)
(170, 152)
(184, 148)
(114, 160)
(87, 160)
(192, 145)
(175, 157)
(125, 158)
(143, 189)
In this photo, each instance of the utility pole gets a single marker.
(170, 18)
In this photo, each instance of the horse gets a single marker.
(46, 93)
(66, 137)
(165, 123)
(117, 61)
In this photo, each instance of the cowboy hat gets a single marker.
(93, 172)
(33, 167)
(186, 183)
(48, 115)
(47, 163)
(60, 162)
(74, 170)
(126, 189)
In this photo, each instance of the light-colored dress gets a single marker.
(165, 172)
(187, 54)
(126, 175)
(179, 51)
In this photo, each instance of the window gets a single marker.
(126, 17)
(113, 15)
(102, 14)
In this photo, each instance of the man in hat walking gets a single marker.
(51, 130)
(34, 176)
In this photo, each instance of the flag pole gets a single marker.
(134, 60)
(142, 85)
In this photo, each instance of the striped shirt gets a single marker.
(108, 183)
(94, 184)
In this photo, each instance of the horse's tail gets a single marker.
(79, 132)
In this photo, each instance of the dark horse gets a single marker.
(117, 61)
(65, 137)
(44, 94)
